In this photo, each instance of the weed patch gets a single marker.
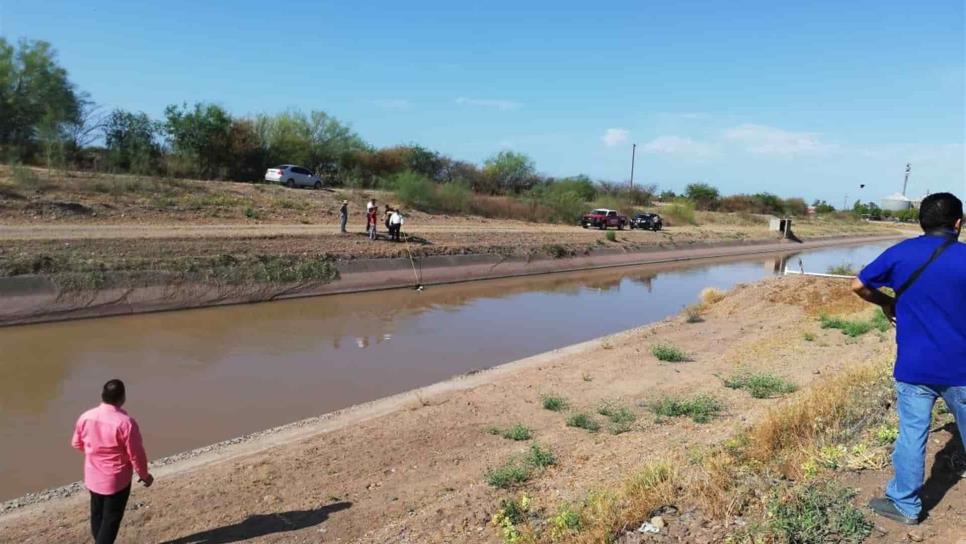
(554, 403)
(809, 337)
(856, 327)
(701, 408)
(583, 421)
(815, 513)
(518, 470)
(693, 313)
(761, 385)
(669, 353)
(845, 269)
(517, 432)
(611, 236)
(620, 417)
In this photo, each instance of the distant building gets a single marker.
(896, 203)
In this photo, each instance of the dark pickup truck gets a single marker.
(603, 218)
(647, 221)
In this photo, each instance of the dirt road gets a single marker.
(411, 468)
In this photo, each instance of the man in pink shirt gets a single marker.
(111, 442)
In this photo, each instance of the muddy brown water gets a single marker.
(201, 376)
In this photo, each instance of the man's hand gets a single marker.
(882, 300)
(147, 480)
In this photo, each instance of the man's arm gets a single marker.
(76, 442)
(876, 297)
(135, 452)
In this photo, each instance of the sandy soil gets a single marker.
(410, 468)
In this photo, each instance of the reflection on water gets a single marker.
(196, 377)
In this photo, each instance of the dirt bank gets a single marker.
(410, 468)
(34, 298)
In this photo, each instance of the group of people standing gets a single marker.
(393, 219)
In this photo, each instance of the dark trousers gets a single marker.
(106, 514)
(394, 231)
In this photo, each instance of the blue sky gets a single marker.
(796, 98)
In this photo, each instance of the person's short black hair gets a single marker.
(940, 210)
(113, 392)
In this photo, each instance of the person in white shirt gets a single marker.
(395, 224)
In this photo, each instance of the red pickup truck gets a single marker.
(603, 218)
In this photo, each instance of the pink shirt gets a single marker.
(111, 442)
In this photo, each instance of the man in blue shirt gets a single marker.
(931, 340)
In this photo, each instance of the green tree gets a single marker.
(509, 172)
(315, 140)
(132, 141)
(822, 207)
(704, 196)
(200, 136)
(37, 100)
(580, 185)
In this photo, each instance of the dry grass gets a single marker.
(738, 477)
(711, 295)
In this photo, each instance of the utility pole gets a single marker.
(905, 182)
(845, 203)
(633, 155)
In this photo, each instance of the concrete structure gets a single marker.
(896, 203)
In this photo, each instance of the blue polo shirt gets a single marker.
(931, 314)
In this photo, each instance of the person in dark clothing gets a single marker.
(928, 276)
(343, 215)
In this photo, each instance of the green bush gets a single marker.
(517, 432)
(681, 212)
(621, 418)
(856, 327)
(413, 190)
(454, 197)
(700, 408)
(583, 421)
(844, 269)
(611, 236)
(761, 385)
(668, 353)
(819, 512)
(554, 403)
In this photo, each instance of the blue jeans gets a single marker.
(914, 404)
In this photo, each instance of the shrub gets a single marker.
(761, 385)
(693, 313)
(583, 421)
(668, 353)
(711, 295)
(681, 212)
(517, 432)
(554, 403)
(538, 457)
(809, 337)
(25, 178)
(508, 475)
(700, 408)
(845, 269)
(818, 512)
(518, 470)
(454, 197)
(413, 190)
(611, 236)
(621, 418)
(856, 327)
(704, 196)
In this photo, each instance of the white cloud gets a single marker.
(393, 103)
(614, 136)
(489, 103)
(765, 140)
(676, 145)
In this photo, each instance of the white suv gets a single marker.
(293, 176)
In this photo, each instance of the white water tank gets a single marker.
(896, 203)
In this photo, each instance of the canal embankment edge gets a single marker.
(37, 299)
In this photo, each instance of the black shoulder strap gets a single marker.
(915, 275)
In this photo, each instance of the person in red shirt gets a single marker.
(113, 451)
